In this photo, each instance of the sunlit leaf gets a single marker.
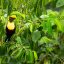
(51, 13)
(58, 23)
(31, 27)
(46, 61)
(19, 14)
(44, 40)
(44, 16)
(35, 55)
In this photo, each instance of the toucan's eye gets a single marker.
(11, 19)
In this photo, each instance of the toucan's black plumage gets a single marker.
(10, 28)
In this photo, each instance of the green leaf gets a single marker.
(14, 52)
(49, 48)
(19, 53)
(60, 3)
(44, 16)
(31, 27)
(23, 15)
(35, 55)
(44, 40)
(3, 19)
(10, 7)
(51, 13)
(19, 14)
(46, 61)
(36, 36)
(5, 4)
(59, 24)
(18, 39)
(44, 26)
(29, 56)
(47, 1)
(0, 60)
(49, 27)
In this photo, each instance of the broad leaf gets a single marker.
(36, 36)
(18, 39)
(35, 55)
(44, 40)
(60, 3)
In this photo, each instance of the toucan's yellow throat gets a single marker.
(10, 25)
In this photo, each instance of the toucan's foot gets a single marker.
(7, 40)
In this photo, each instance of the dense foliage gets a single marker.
(39, 36)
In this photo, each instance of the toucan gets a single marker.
(10, 27)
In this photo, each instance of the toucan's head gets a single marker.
(12, 17)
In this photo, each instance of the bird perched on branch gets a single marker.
(10, 28)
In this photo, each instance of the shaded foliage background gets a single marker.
(39, 36)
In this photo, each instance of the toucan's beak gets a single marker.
(13, 16)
